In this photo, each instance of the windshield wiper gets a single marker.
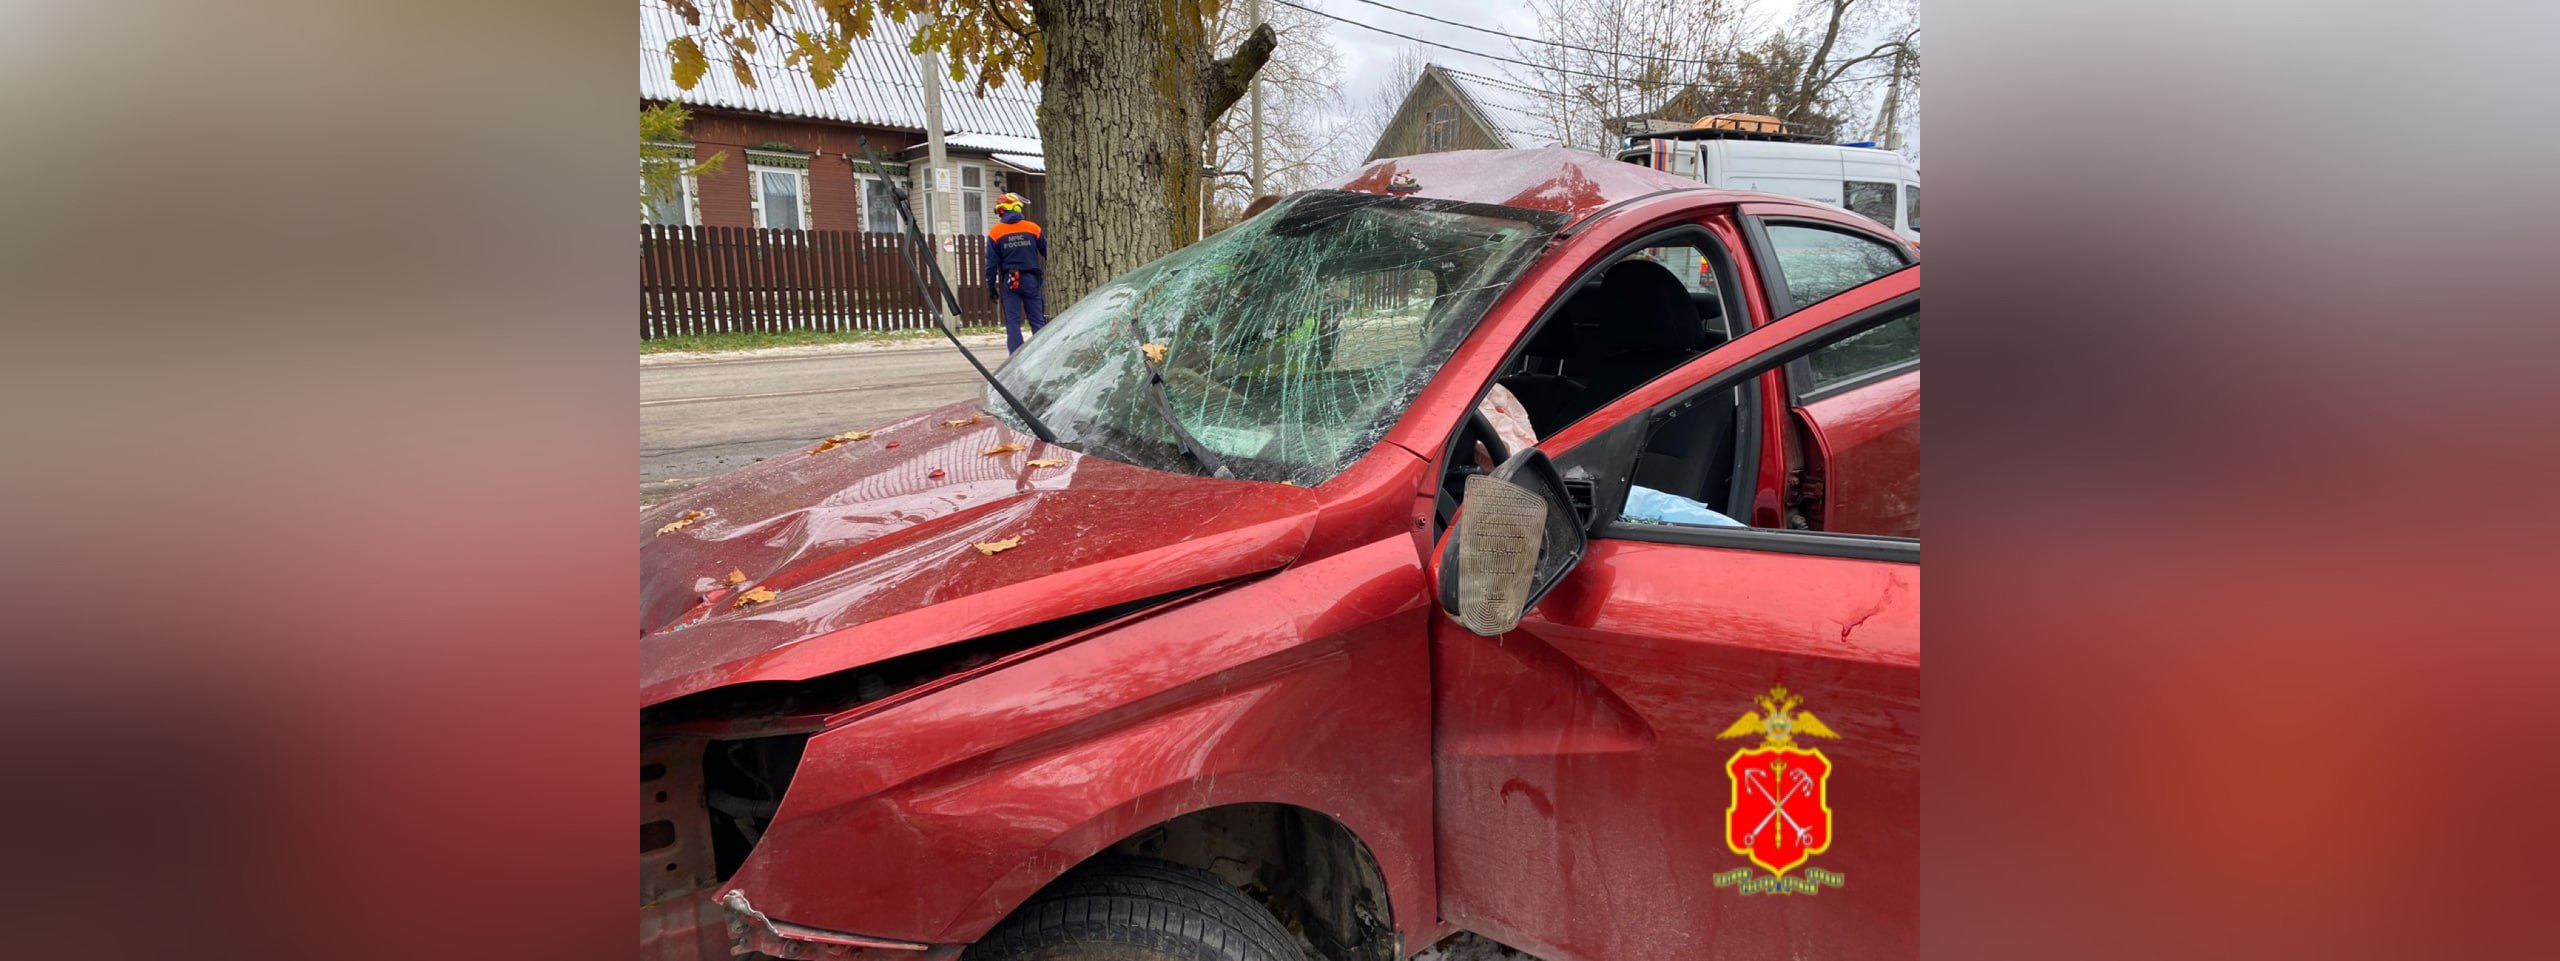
(919, 262)
(1184, 442)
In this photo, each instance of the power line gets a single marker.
(1553, 43)
(1473, 53)
(1510, 60)
(1505, 84)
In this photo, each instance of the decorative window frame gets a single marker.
(688, 202)
(863, 174)
(688, 192)
(761, 162)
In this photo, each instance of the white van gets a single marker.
(1878, 184)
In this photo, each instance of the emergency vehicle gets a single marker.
(1740, 152)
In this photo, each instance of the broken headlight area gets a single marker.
(715, 766)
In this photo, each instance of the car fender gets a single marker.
(930, 818)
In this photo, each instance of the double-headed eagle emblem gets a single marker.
(1778, 721)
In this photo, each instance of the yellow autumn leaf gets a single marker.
(1050, 462)
(962, 422)
(690, 64)
(1001, 449)
(825, 446)
(680, 523)
(991, 548)
(1154, 352)
(757, 596)
(737, 576)
(851, 436)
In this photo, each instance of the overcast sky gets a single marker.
(1367, 55)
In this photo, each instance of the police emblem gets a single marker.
(1779, 815)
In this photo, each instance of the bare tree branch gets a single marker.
(1229, 78)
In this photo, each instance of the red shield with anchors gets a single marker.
(1779, 815)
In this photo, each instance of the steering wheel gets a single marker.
(1482, 426)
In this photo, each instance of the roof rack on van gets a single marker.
(1723, 126)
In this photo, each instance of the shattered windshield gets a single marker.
(1290, 342)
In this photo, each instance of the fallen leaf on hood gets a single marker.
(1154, 352)
(680, 523)
(737, 576)
(757, 596)
(990, 548)
(892, 444)
(839, 440)
(962, 422)
(937, 472)
(1001, 449)
(1050, 462)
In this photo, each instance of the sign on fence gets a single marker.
(703, 280)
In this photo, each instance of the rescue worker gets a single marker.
(1015, 254)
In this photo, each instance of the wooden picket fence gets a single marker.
(704, 280)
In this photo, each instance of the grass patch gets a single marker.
(795, 338)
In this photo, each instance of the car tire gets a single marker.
(1132, 909)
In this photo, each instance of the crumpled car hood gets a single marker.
(871, 556)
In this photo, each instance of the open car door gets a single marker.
(1703, 741)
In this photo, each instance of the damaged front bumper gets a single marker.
(751, 931)
(701, 927)
(687, 911)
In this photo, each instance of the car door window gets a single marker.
(1881, 348)
(1697, 469)
(1815, 263)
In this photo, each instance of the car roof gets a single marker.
(1556, 179)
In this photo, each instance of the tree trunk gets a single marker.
(1127, 94)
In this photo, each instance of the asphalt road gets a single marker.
(704, 416)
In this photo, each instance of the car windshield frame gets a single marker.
(1290, 343)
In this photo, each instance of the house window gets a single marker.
(675, 210)
(780, 197)
(1440, 127)
(879, 207)
(973, 199)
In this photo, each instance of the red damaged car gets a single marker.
(1523, 543)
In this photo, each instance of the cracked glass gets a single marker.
(1292, 341)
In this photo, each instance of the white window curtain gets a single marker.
(879, 209)
(778, 193)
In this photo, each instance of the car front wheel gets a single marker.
(1131, 909)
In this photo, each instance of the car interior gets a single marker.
(1632, 323)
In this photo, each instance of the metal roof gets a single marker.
(1513, 115)
(879, 84)
(1027, 163)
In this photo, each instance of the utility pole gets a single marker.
(942, 213)
(1252, 17)
(1888, 132)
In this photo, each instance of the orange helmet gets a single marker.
(1008, 201)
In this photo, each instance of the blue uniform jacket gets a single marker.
(1014, 246)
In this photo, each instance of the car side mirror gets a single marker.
(1516, 537)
